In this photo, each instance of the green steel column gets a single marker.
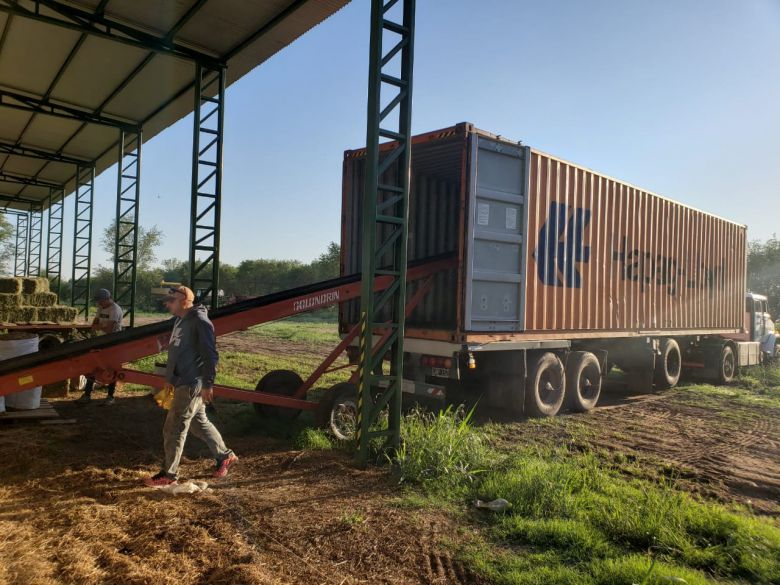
(54, 242)
(128, 197)
(206, 201)
(385, 224)
(22, 238)
(82, 240)
(35, 241)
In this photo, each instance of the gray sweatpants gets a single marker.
(189, 413)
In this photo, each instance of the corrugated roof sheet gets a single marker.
(42, 59)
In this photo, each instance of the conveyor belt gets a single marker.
(70, 350)
(109, 352)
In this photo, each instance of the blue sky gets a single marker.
(678, 97)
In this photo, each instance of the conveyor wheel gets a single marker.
(337, 411)
(284, 383)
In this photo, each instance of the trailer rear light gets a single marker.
(472, 362)
(436, 362)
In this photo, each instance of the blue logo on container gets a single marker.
(561, 245)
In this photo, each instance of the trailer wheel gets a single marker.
(546, 386)
(668, 365)
(583, 381)
(337, 411)
(284, 383)
(727, 365)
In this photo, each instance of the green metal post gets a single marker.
(54, 242)
(82, 240)
(206, 201)
(128, 197)
(385, 225)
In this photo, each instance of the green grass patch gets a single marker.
(575, 518)
(313, 331)
(312, 440)
(441, 451)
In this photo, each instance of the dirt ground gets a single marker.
(73, 510)
(722, 448)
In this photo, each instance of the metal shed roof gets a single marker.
(72, 73)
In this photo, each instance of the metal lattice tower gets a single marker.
(35, 245)
(128, 195)
(385, 223)
(54, 242)
(205, 210)
(22, 239)
(82, 240)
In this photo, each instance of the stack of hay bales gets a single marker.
(28, 300)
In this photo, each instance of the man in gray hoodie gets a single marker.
(191, 368)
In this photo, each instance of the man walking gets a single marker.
(191, 368)
(107, 320)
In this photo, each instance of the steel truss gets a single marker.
(385, 215)
(54, 242)
(9, 148)
(206, 204)
(35, 241)
(22, 238)
(128, 196)
(82, 240)
(97, 24)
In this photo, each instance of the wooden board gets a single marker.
(46, 411)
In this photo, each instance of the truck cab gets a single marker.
(762, 328)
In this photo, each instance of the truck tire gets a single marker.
(337, 411)
(727, 365)
(546, 386)
(668, 365)
(583, 381)
(284, 383)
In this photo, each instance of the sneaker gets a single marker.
(85, 399)
(159, 480)
(108, 401)
(224, 465)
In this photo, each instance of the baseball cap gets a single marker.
(179, 292)
(102, 294)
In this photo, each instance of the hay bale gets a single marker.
(23, 314)
(57, 314)
(11, 285)
(41, 299)
(36, 284)
(10, 301)
(56, 390)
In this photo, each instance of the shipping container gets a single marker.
(562, 272)
(548, 248)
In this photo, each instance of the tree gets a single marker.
(148, 241)
(7, 245)
(764, 271)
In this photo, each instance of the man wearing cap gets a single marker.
(107, 320)
(191, 368)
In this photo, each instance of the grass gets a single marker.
(575, 519)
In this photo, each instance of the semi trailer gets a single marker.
(562, 273)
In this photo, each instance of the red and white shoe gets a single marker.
(222, 468)
(159, 480)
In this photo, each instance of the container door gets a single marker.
(495, 268)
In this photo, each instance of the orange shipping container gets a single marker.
(551, 250)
